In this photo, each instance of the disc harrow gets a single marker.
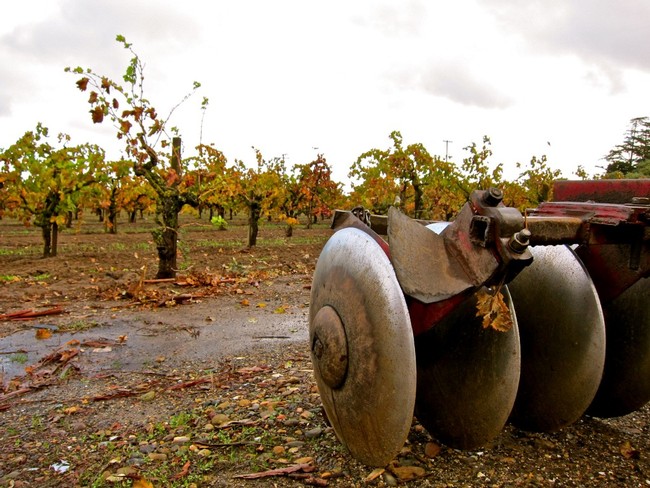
(495, 317)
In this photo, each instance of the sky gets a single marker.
(294, 78)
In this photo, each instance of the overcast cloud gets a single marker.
(290, 76)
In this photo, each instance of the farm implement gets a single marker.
(496, 317)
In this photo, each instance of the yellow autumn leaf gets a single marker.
(142, 483)
(43, 333)
(494, 311)
(280, 309)
(245, 302)
(261, 305)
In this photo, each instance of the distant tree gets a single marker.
(533, 186)
(631, 158)
(476, 171)
(138, 124)
(442, 195)
(318, 190)
(212, 180)
(393, 176)
(260, 189)
(45, 180)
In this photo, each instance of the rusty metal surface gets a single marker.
(422, 264)
(546, 231)
(371, 410)
(625, 386)
(603, 191)
(467, 377)
(562, 333)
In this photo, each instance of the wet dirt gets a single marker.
(205, 331)
(234, 298)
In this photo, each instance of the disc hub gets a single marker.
(329, 347)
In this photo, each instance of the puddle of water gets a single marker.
(146, 344)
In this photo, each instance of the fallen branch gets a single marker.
(14, 314)
(18, 351)
(159, 280)
(294, 468)
(15, 393)
(30, 314)
(188, 384)
(206, 445)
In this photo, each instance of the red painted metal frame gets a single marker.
(602, 191)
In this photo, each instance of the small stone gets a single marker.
(389, 479)
(311, 433)
(147, 449)
(149, 396)
(244, 403)
(204, 452)
(11, 476)
(291, 422)
(208, 428)
(220, 419)
(157, 456)
(291, 444)
(277, 450)
(181, 439)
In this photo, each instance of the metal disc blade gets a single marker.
(362, 347)
(467, 377)
(625, 386)
(562, 333)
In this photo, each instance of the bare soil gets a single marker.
(195, 382)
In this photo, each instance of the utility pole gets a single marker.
(447, 149)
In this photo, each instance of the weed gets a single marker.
(37, 422)
(219, 222)
(78, 326)
(180, 420)
(9, 278)
(19, 357)
(235, 268)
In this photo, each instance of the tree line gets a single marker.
(46, 183)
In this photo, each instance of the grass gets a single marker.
(9, 278)
(77, 326)
(19, 357)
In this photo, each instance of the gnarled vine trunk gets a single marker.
(253, 219)
(166, 236)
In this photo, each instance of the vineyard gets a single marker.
(154, 308)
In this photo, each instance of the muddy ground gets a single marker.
(199, 381)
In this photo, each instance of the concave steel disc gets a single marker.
(562, 334)
(625, 386)
(362, 347)
(467, 377)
